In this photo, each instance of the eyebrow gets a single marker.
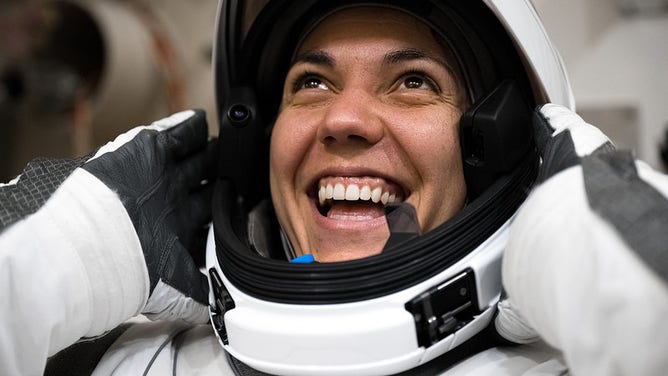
(318, 57)
(403, 55)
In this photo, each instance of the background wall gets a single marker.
(616, 52)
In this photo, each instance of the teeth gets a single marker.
(375, 195)
(354, 193)
(365, 193)
(339, 192)
(384, 198)
(321, 195)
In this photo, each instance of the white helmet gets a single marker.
(412, 305)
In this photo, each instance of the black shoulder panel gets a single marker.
(37, 183)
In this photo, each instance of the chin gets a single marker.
(356, 251)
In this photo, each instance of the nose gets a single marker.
(352, 118)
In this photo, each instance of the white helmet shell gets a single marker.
(391, 329)
(543, 62)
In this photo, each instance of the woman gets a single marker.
(358, 124)
(385, 108)
(416, 114)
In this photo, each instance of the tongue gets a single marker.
(355, 210)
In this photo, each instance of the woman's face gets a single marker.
(369, 116)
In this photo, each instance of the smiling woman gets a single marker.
(369, 92)
(398, 147)
(391, 145)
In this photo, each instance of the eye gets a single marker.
(310, 82)
(416, 81)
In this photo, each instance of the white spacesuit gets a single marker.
(570, 278)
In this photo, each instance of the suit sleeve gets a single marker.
(71, 266)
(586, 266)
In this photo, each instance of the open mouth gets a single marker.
(355, 198)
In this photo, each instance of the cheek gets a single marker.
(451, 154)
(289, 145)
(282, 164)
(434, 147)
(442, 169)
(278, 153)
(439, 163)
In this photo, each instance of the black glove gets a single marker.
(160, 173)
(563, 138)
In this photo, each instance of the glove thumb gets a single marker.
(512, 326)
(181, 292)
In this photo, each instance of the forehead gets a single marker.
(371, 25)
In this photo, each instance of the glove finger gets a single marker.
(180, 290)
(558, 152)
(198, 168)
(512, 326)
(542, 131)
(188, 137)
(196, 209)
(167, 303)
(194, 217)
(180, 272)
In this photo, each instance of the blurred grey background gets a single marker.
(75, 73)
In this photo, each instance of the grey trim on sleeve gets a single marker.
(632, 206)
(37, 183)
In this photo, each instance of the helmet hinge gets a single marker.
(444, 309)
(222, 303)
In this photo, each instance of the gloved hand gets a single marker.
(160, 173)
(563, 138)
